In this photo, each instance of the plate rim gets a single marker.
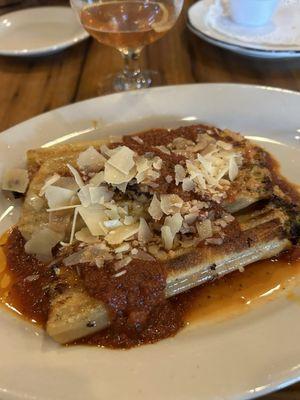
(274, 386)
(236, 46)
(43, 50)
(244, 86)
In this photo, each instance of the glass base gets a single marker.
(121, 83)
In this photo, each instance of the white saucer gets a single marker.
(198, 25)
(39, 31)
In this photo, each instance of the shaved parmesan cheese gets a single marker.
(121, 264)
(188, 185)
(171, 226)
(73, 225)
(54, 178)
(15, 180)
(99, 193)
(123, 248)
(167, 237)
(76, 175)
(84, 235)
(112, 211)
(117, 275)
(91, 160)
(170, 203)
(113, 176)
(97, 179)
(180, 173)
(94, 216)
(84, 196)
(142, 165)
(233, 169)
(119, 235)
(174, 223)
(144, 234)
(42, 243)
(122, 187)
(215, 241)
(207, 165)
(216, 161)
(122, 160)
(107, 151)
(224, 145)
(204, 229)
(157, 163)
(112, 223)
(154, 209)
(142, 255)
(163, 149)
(62, 208)
(191, 218)
(129, 220)
(58, 197)
(137, 139)
(194, 171)
(74, 258)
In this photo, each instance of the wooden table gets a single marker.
(29, 87)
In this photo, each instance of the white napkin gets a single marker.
(283, 30)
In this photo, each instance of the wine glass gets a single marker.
(128, 26)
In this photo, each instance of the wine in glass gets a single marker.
(128, 26)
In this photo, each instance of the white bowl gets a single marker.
(252, 12)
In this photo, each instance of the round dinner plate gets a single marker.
(234, 359)
(197, 23)
(39, 31)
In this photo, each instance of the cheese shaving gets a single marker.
(42, 243)
(91, 160)
(73, 225)
(119, 235)
(15, 180)
(155, 209)
(76, 175)
(144, 234)
(58, 197)
(170, 203)
(122, 160)
(114, 176)
(97, 179)
(50, 181)
(94, 216)
(84, 235)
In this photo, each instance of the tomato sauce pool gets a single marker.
(232, 295)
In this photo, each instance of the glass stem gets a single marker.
(132, 67)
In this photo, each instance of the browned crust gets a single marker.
(233, 244)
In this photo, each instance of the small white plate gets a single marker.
(237, 359)
(39, 31)
(198, 25)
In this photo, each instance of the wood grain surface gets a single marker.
(29, 87)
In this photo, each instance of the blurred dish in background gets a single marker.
(210, 20)
(39, 31)
(5, 3)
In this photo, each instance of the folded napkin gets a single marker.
(283, 30)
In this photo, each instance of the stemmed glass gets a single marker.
(128, 26)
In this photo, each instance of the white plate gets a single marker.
(198, 25)
(237, 359)
(39, 31)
